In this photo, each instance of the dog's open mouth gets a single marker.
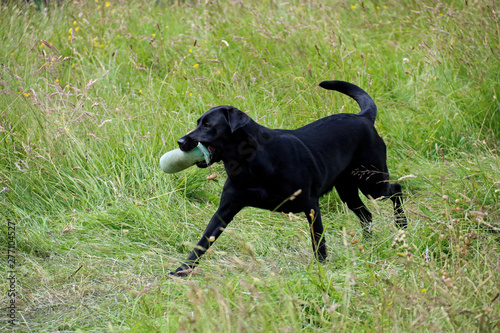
(209, 152)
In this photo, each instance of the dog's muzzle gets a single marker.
(186, 143)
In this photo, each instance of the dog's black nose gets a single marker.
(182, 141)
(186, 143)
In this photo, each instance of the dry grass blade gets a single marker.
(50, 46)
(90, 84)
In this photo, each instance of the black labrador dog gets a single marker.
(289, 170)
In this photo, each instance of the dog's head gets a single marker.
(215, 130)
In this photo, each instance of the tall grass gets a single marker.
(94, 92)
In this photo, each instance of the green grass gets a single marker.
(98, 225)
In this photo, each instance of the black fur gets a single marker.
(267, 168)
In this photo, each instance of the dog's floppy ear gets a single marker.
(236, 118)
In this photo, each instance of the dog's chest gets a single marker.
(271, 196)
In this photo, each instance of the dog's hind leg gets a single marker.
(349, 194)
(397, 199)
(378, 186)
(317, 232)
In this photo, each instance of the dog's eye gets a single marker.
(207, 125)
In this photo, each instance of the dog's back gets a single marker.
(352, 137)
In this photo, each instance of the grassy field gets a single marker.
(94, 92)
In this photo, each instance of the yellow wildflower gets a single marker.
(353, 6)
(195, 65)
(108, 4)
(27, 94)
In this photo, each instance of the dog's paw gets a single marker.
(401, 222)
(182, 272)
(367, 235)
(321, 257)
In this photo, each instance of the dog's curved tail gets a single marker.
(365, 102)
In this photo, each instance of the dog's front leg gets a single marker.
(226, 212)
(317, 233)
